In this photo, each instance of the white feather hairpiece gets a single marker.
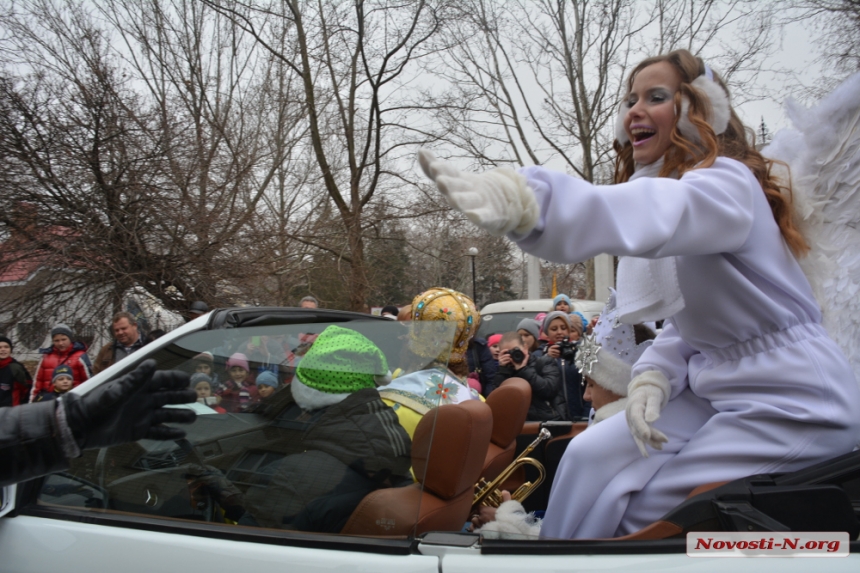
(713, 92)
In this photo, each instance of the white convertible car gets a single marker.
(270, 487)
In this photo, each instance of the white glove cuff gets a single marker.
(651, 378)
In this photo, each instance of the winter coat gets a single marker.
(15, 384)
(75, 357)
(48, 396)
(481, 361)
(233, 396)
(578, 408)
(347, 451)
(28, 444)
(544, 377)
(113, 352)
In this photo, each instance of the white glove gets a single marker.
(648, 394)
(499, 201)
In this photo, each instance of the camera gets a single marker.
(567, 349)
(516, 355)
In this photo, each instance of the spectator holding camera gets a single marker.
(562, 341)
(542, 374)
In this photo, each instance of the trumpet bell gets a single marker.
(489, 494)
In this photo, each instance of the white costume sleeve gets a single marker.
(668, 354)
(706, 211)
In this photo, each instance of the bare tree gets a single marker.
(539, 82)
(230, 128)
(353, 61)
(735, 37)
(146, 166)
(837, 23)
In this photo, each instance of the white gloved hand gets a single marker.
(499, 201)
(648, 394)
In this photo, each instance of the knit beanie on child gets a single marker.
(267, 379)
(340, 362)
(204, 357)
(62, 370)
(7, 340)
(559, 298)
(62, 329)
(531, 326)
(240, 360)
(200, 377)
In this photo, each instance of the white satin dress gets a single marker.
(757, 384)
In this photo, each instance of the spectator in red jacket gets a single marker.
(15, 381)
(62, 351)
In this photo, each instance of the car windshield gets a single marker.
(501, 322)
(297, 424)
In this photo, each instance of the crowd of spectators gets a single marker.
(542, 351)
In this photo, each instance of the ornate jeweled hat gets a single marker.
(449, 306)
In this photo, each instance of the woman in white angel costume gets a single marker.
(743, 379)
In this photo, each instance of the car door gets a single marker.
(265, 486)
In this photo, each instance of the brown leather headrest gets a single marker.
(453, 462)
(510, 405)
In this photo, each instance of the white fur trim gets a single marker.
(651, 378)
(311, 399)
(620, 133)
(610, 410)
(512, 522)
(611, 373)
(720, 110)
(383, 379)
(687, 129)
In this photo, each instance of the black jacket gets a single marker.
(543, 376)
(480, 360)
(15, 384)
(347, 451)
(28, 446)
(578, 407)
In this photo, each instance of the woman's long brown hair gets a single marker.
(685, 155)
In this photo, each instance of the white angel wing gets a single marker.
(823, 152)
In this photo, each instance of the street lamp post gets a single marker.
(473, 252)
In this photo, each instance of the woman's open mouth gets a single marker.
(640, 135)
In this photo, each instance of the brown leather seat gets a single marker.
(448, 450)
(665, 529)
(510, 405)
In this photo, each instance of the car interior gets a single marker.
(248, 468)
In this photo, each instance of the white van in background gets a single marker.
(500, 317)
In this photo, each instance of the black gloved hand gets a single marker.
(130, 408)
(208, 483)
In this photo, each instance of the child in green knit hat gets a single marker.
(340, 362)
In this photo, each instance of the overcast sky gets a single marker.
(796, 51)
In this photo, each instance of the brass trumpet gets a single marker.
(489, 494)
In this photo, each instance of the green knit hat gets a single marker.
(342, 361)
